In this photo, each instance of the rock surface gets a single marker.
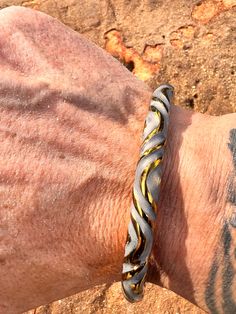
(190, 44)
(110, 300)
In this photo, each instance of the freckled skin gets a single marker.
(71, 119)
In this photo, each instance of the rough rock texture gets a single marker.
(190, 44)
(109, 300)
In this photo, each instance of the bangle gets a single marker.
(146, 194)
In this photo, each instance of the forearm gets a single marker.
(194, 205)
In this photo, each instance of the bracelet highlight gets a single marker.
(146, 194)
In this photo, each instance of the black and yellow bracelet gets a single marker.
(145, 194)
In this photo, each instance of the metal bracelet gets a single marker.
(146, 194)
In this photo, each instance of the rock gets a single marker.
(204, 11)
(110, 300)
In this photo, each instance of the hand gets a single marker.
(71, 119)
(71, 123)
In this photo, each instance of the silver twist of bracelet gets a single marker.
(146, 194)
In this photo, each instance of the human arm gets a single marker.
(195, 244)
(71, 124)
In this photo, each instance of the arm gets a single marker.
(195, 241)
(71, 124)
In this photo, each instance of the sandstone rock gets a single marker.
(206, 10)
(110, 300)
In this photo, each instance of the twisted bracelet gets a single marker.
(146, 194)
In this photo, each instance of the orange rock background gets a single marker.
(190, 44)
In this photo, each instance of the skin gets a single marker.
(71, 119)
(223, 267)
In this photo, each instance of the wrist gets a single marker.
(192, 200)
(113, 223)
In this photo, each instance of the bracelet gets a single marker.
(146, 194)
